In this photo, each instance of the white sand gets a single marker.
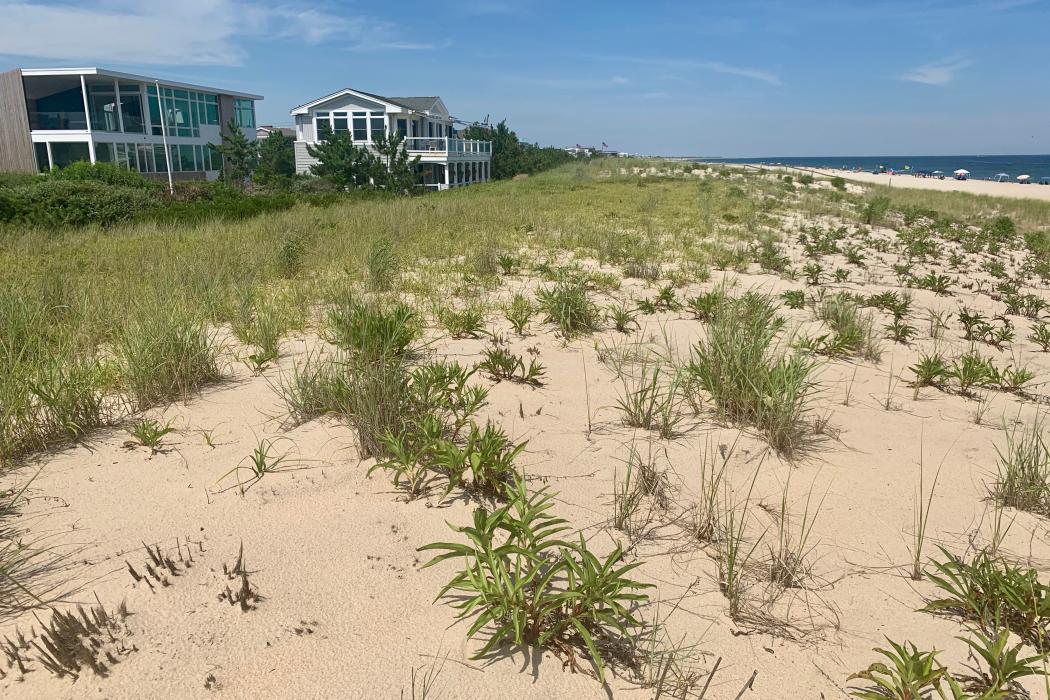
(347, 611)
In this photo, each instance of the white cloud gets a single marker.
(620, 80)
(689, 64)
(179, 32)
(938, 72)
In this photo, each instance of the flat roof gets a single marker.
(131, 76)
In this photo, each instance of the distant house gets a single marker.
(445, 159)
(265, 130)
(50, 117)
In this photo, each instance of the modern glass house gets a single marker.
(444, 159)
(50, 117)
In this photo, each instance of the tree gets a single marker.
(276, 159)
(341, 162)
(397, 172)
(510, 156)
(239, 155)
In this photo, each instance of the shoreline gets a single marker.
(1012, 190)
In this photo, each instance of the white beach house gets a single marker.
(50, 117)
(444, 159)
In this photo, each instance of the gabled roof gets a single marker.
(412, 104)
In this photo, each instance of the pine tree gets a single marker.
(239, 154)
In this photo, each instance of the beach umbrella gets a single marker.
(1001, 177)
(938, 172)
(961, 171)
(1024, 178)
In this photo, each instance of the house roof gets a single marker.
(94, 70)
(287, 131)
(412, 104)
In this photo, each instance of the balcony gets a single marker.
(57, 121)
(447, 147)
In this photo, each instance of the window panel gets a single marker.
(160, 159)
(376, 126)
(360, 127)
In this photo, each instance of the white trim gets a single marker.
(133, 77)
(392, 106)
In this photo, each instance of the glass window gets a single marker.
(402, 127)
(340, 122)
(212, 111)
(131, 108)
(104, 153)
(102, 101)
(159, 159)
(244, 113)
(360, 127)
(376, 125)
(215, 158)
(186, 163)
(42, 163)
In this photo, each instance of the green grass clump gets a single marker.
(369, 333)
(165, 352)
(1022, 480)
(853, 329)
(568, 305)
(749, 378)
(523, 584)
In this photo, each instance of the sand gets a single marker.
(347, 611)
(1012, 190)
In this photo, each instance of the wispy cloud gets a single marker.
(201, 32)
(939, 72)
(758, 74)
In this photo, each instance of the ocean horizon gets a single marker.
(981, 167)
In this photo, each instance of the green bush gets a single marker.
(106, 173)
(56, 202)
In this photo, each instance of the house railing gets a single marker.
(446, 145)
(57, 121)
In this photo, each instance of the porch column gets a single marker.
(446, 175)
(87, 118)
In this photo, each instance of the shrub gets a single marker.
(875, 210)
(838, 183)
(854, 331)
(383, 264)
(526, 586)
(55, 203)
(106, 173)
(751, 380)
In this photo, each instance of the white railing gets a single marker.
(446, 145)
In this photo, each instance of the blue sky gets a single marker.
(748, 78)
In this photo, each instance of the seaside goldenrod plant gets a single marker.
(522, 584)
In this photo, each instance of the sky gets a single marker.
(750, 78)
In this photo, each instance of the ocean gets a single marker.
(980, 167)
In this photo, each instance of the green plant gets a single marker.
(410, 455)
(622, 317)
(970, 370)
(939, 284)
(383, 264)
(519, 312)
(854, 330)
(259, 463)
(525, 585)
(1005, 666)
(705, 305)
(316, 386)
(508, 263)
(910, 675)
(875, 210)
(648, 403)
(164, 353)
(568, 306)
(813, 273)
(930, 370)
(666, 299)
(150, 433)
(840, 275)
(1041, 336)
(1023, 471)
(500, 363)
(994, 594)
(748, 377)
(369, 333)
(794, 298)
(900, 332)
(468, 323)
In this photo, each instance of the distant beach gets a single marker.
(986, 187)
